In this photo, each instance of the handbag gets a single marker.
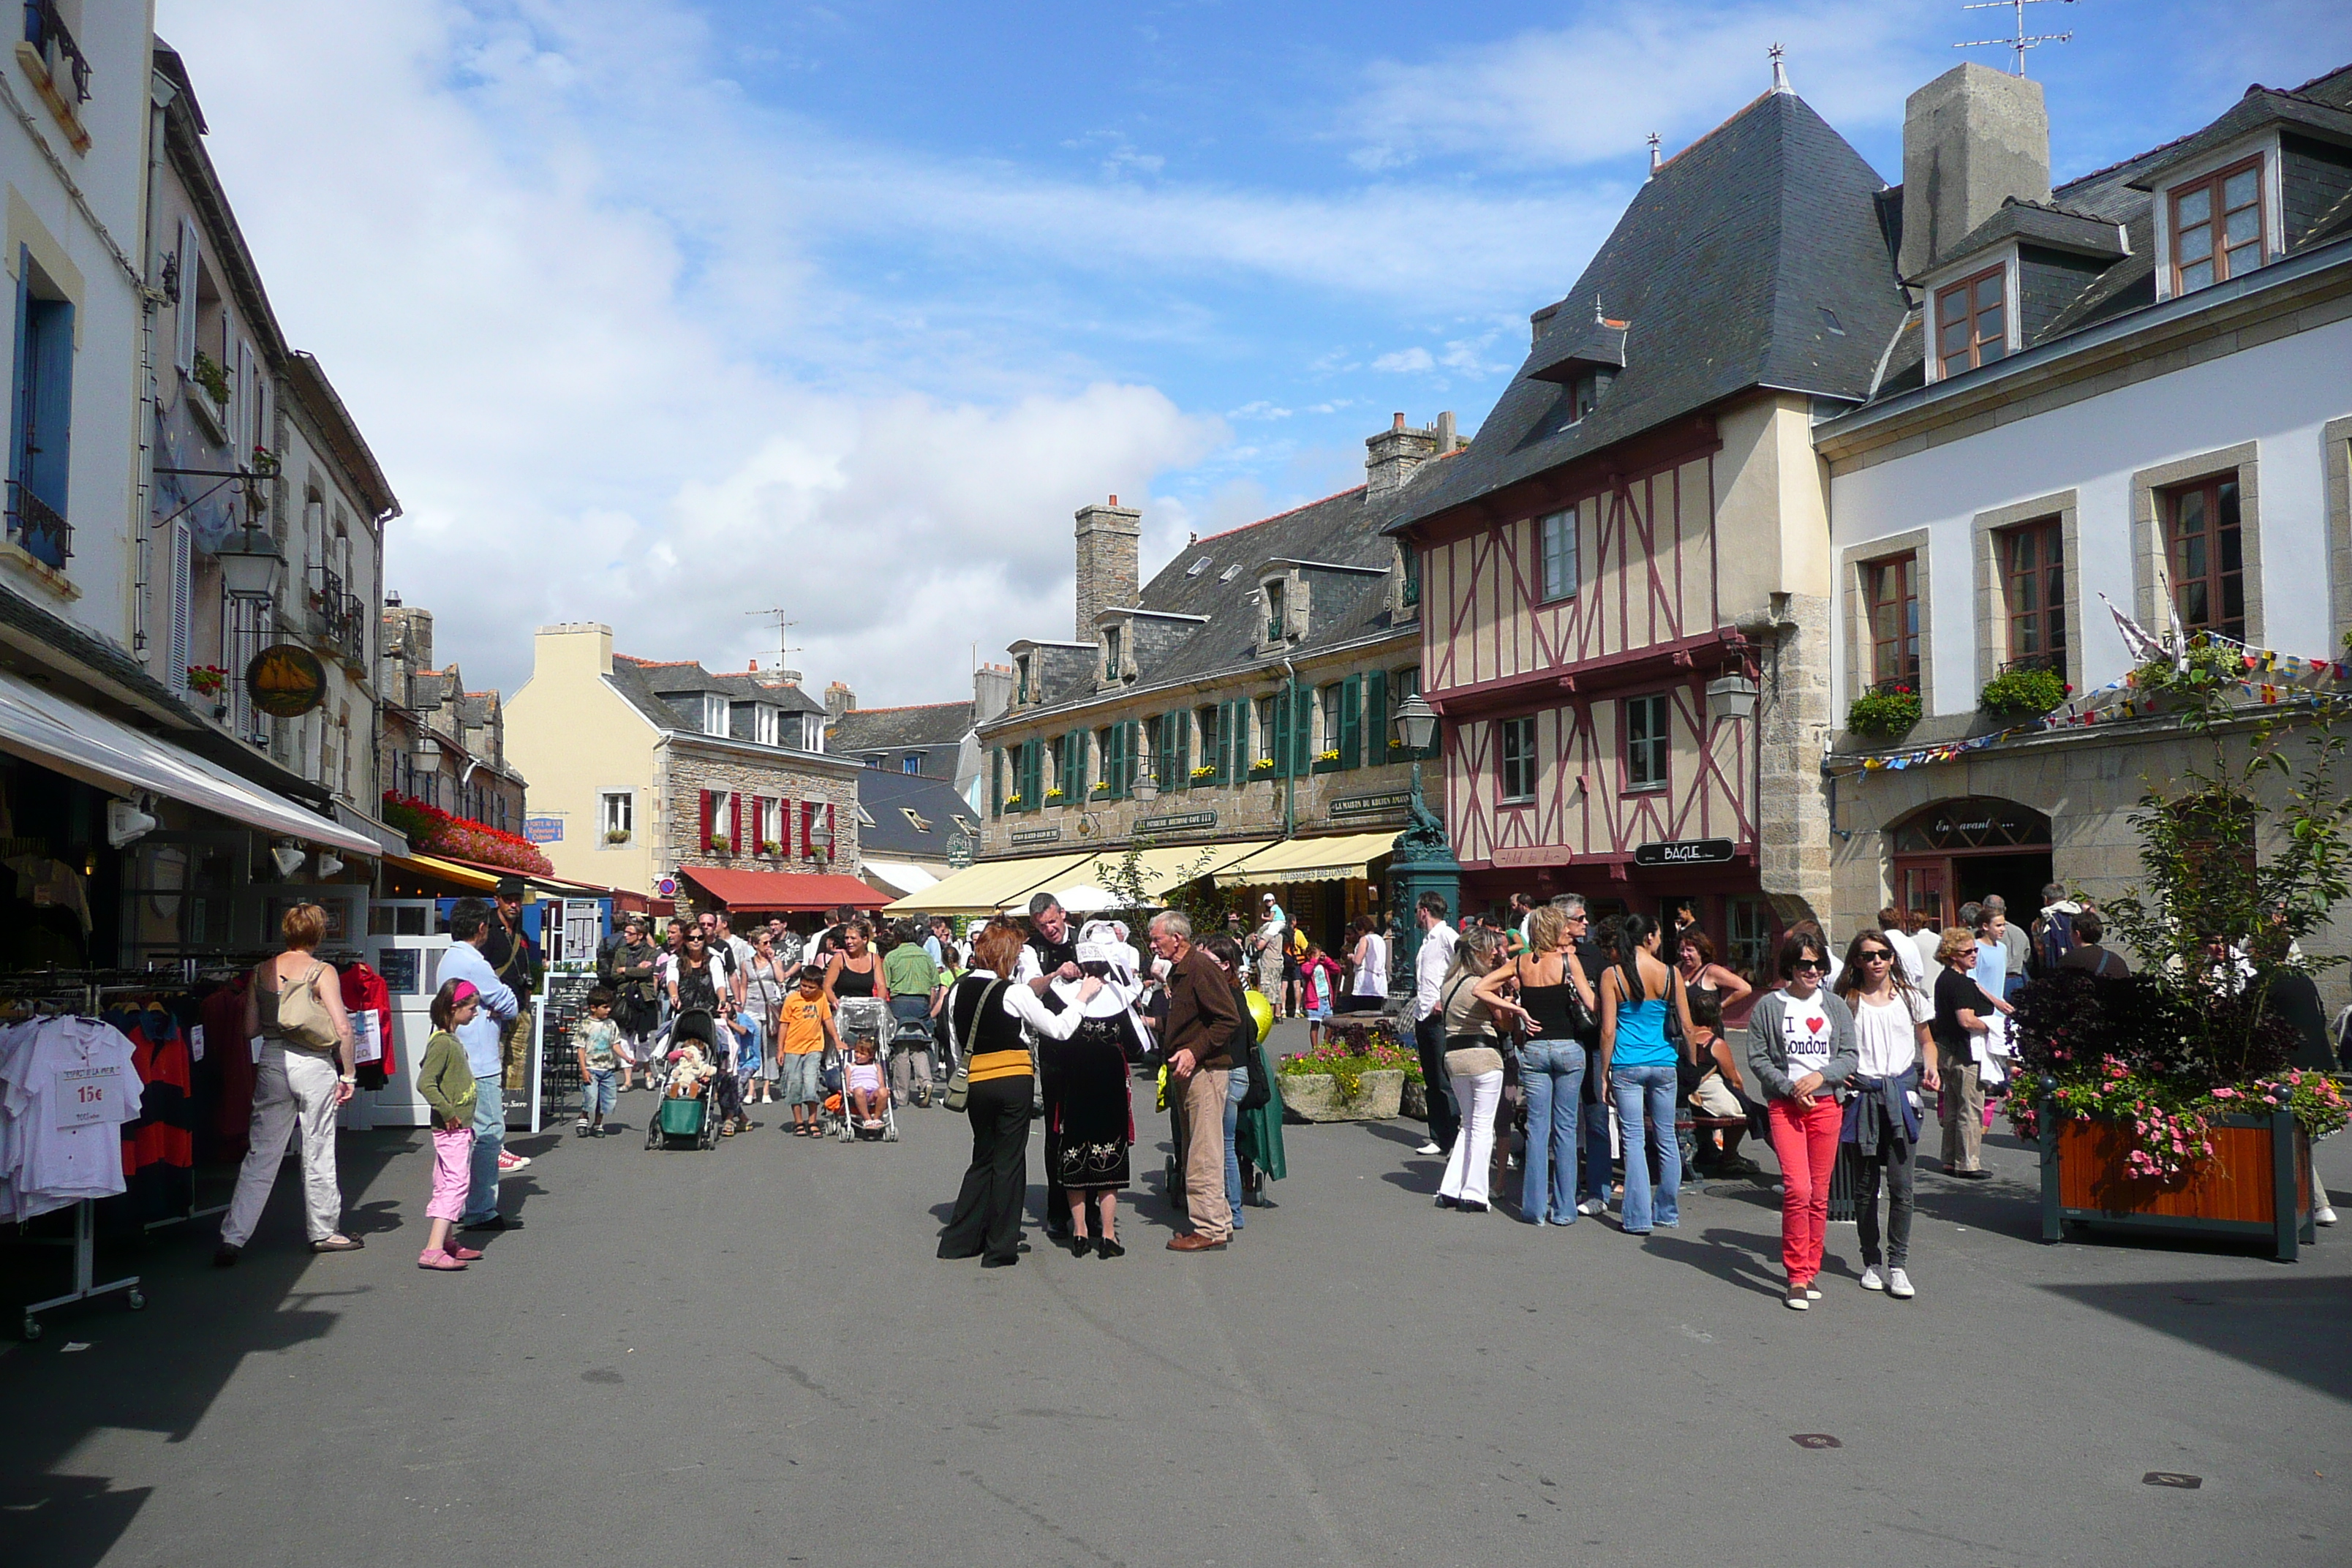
(958, 1094)
(302, 1016)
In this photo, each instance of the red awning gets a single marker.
(783, 892)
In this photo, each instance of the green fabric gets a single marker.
(1259, 1131)
(445, 1080)
(910, 972)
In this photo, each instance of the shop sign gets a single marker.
(1368, 804)
(1535, 854)
(1686, 852)
(286, 681)
(543, 829)
(1036, 835)
(1176, 821)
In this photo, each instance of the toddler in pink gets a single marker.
(445, 1080)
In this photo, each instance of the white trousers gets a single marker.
(1473, 1160)
(292, 1090)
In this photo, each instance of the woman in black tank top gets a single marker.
(845, 979)
(1557, 995)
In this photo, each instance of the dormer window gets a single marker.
(714, 713)
(1972, 320)
(1197, 567)
(2217, 226)
(1274, 597)
(1023, 691)
(1113, 661)
(1585, 390)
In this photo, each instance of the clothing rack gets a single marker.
(85, 996)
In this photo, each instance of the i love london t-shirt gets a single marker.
(1805, 1030)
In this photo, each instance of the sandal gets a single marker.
(338, 1243)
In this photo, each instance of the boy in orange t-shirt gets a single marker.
(806, 1026)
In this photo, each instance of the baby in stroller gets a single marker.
(868, 1096)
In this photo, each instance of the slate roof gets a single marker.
(2121, 194)
(892, 837)
(647, 682)
(1343, 530)
(931, 726)
(1726, 269)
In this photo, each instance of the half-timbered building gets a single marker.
(1625, 579)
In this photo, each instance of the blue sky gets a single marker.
(664, 313)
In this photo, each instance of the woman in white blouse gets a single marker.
(1895, 1059)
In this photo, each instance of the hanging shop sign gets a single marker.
(1386, 800)
(1036, 835)
(1686, 852)
(1176, 821)
(543, 829)
(286, 681)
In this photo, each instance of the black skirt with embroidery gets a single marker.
(1094, 1121)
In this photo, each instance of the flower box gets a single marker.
(1316, 1096)
(2257, 1182)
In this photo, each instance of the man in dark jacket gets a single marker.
(1199, 1042)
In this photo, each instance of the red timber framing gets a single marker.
(1645, 621)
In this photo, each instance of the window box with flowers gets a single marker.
(433, 831)
(208, 379)
(1055, 795)
(720, 845)
(1204, 772)
(1883, 713)
(2023, 693)
(1263, 768)
(771, 848)
(1327, 761)
(1102, 786)
(1014, 803)
(616, 835)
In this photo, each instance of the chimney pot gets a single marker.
(1398, 423)
(1114, 500)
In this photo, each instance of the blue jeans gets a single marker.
(1551, 1076)
(1236, 1086)
(597, 1091)
(1596, 1174)
(747, 1047)
(1645, 1104)
(489, 1143)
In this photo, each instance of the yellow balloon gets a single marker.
(1261, 1010)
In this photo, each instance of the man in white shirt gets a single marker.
(1907, 951)
(1429, 967)
(469, 930)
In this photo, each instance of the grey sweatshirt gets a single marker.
(1767, 1049)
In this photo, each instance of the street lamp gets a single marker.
(1417, 721)
(249, 567)
(820, 841)
(1422, 860)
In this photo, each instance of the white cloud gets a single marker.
(1593, 89)
(1403, 360)
(1261, 409)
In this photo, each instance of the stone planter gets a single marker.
(1415, 1103)
(2256, 1186)
(1314, 1097)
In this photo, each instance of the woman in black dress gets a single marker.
(1094, 1119)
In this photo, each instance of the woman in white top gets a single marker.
(1367, 969)
(1895, 1059)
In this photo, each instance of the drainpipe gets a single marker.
(142, 521)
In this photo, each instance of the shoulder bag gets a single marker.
(958, 1094)
(302, 1016)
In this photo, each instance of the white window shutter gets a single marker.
(264, 409)
(184, 350)
(240, 414)
(183, 582)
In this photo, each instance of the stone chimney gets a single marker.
(1110, 561)
(1390, 457)
(411, 631)
(838, 700)
(992, 691)
(1972, 138)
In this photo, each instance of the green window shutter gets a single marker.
(1183, 717)
(1078, 785)
(1376, 716)
(1351, 722)
(996, 781)
(1130, 749)
(1280, 750)
(1229, 745)
(1302, 735)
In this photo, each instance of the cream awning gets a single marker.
(63, 735)
(1161, 870)
(1332, 860)
(985, 889)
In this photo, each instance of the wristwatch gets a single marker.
(350, 1078)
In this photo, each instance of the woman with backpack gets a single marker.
(1801, 1052)
(1552, 1063)
(1638, 995)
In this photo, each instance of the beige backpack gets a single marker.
(302, 1016)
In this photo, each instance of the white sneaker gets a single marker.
(1592, 1206)
(1899, 1285)
(2323, 1215)
(1870, 1280)
(1429, 1148)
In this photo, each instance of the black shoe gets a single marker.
(1259, 1200)
(997, 1262)
(1110, 1250)
(1471, 1206)
(1082, 1245)
(226, 1256)
(496, 1222)
(1445, 1202)
(1978, 1175)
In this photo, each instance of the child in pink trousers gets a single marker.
(445, 1080)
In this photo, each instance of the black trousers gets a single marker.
(987, 1217)
(1444, 1116)
(1894, 1158)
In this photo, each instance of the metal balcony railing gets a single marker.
(45, 31)
(2054, 661)
(352, 644)
(37, 526)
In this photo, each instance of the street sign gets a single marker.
(1686, 852)
(1036, 835)
(543, 829)
(286, 681)
(1368, 804)
(1177, 821)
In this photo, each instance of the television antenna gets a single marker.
(2023, 40)
(784, 624)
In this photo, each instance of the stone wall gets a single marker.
(1794, 719)
(693, 770)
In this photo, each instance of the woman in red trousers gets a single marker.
(1801, 1052)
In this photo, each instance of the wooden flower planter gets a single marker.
(2257, 1185)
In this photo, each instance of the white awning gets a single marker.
(901, 877)
(73, 740)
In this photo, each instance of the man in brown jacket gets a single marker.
(1200, 1024)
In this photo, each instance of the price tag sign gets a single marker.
(86, 1096)
(368, 1039)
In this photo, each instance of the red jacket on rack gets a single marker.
(365, 992)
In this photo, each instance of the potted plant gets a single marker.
(1052, 795)
(2166, 1099)
(1012, 803)
(616, 835)
(1205, 771)
(2023, 693)
(207, 679)
(720, 845)
(1357, 1074)
(769, 847)
(1262, 768)
(1102, 786)
(1883, 713)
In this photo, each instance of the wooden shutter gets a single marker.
(1302, 733)
(710, 826)
(1183, 725)
(735, 820)
(995, 783)
(832, 830)
(1351, 722)
(1280, 751)
(184, 608)
(1376, 716)
(1130, 743)
(1236, 741)
(1078, 764)
(183, 349)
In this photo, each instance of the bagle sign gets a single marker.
(1686, 852)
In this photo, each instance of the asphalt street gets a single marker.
(751, 1355)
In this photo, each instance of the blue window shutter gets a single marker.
(52, 322)
(20, 375)
(1351, 722)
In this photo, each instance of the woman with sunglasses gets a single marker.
(1801, 1052)
(1895, 1059)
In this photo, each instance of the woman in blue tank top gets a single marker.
(1637, 1062)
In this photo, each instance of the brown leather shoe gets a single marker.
(1193, 1241)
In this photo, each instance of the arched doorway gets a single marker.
(1956, 851)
